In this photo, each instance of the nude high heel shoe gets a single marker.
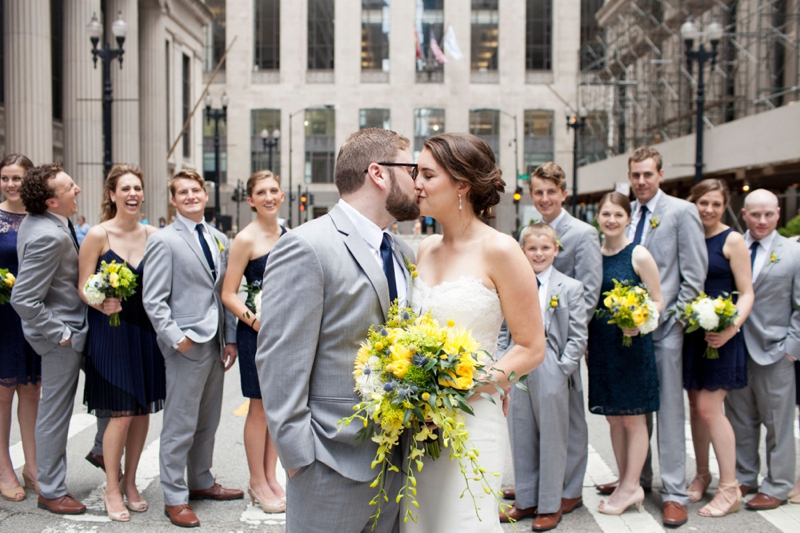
(636, 499)
(121, 516)
(703, 480)
(277, 506)
(29, 482)
(724, 489)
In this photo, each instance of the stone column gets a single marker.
(28, 79)
(153, 91)
(83, 108)
(125, 84)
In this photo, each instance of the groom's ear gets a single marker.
(375, 174)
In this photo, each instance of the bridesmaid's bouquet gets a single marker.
(629, 305)
(253, 300)
(410, 372)
(709, 314)
(7, 280)
(112, 280)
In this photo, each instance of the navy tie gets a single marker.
(637, 237)
(753, 251)
(206, 250)
(72, 232)
(388, 266)
(538, 283)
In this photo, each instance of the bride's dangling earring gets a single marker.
(459, 202)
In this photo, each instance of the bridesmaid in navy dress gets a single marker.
(708, 380)
(20, 365)
(124, 366)
(248, 258)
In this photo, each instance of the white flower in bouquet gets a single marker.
(95, 289)
(257, 305)
(706, 314)
(651, 324)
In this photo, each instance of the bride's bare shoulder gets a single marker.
(499, 244)
(427, 244)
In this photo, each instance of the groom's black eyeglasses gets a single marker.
(414, 171)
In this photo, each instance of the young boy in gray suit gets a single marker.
(539, 419)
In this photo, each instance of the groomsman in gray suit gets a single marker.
(671, 230)
(184, 267)
(325, 284)
(53, 320)
(540, 418)
(772, 339)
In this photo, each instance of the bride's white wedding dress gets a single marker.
(440, 484)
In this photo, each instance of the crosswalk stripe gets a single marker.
(78, 423)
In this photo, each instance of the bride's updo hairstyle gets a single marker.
(469, 160)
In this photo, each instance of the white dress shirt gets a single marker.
(373, 236)
(210, 241)
(554, 223)
(637, 214)
(762, 252)
(544, 279)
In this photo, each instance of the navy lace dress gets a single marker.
(124, 366)
(730, 370)
(247, 337)
(19, 363)
(622, 381)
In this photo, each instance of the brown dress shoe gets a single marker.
(510, 494)
(217, 492)
(546, 522)
(606, 488)
(100, 462)
(763, 502)
(570, 504)
(516, 514)
(747, 489)
(64, 505)
(181, 515)
(674, 514)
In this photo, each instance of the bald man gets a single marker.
(772, 339)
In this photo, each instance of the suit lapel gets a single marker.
(63, 228)
(360, 251)
(659, 211)
(554, 287)
(776, 248)
(194, 244)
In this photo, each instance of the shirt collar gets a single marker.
(554, 223)
(61, 218)
(544, 275)
(651, 205)
(368, 230)
(766, 242)
(190, 224)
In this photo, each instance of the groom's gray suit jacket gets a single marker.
(322, 291)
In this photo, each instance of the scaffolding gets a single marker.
(640, 90)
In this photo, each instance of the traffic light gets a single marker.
(517, 195)
(304, 201)
(236, 197)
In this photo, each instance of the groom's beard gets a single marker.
(400, 206)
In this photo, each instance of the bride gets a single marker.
(474, 275)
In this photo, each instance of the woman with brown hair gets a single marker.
(248, 258)
(124, 366)
(20, 365)
(708, 380)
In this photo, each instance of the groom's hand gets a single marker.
(229, 356)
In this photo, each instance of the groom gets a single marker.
(326, 282)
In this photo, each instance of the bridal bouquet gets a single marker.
(709, 314)
(7, 281)
(112, 280)
(411, 371)
(629, 305)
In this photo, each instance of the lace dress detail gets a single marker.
(440, 484)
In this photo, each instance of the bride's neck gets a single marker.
(459, 226)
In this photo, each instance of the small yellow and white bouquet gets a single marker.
(709, 314)
(112, 280)
(7, 281)
(253, 299)
(410, 372)
(629, 305)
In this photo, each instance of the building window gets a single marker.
(485, 33)
(320, 34)
(267, 35)
(209, 155)
(186, 106)
(268, 120)
(215, 36)
(539, 35)
(57, 62)
(429, 29)
(485, 123)
(374, 118)
(427, 122)
(375, 22)
(539, 143)
(592, 49)
(320, 127)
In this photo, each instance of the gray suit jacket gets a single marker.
(566, 326)
(46, 293)
(580, 257)
(773, 327)
(180, 294)
(679, 247)
(322, 291)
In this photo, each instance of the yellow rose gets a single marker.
(10, 279)
(399, 368)
(638, 317)
(719, 305)
(608, 302)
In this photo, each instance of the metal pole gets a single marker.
(270, 145)
(575, 171)
(698, 163)
(238, 203)
(107, 100)
(290, 170)
(217, 172)
(299, 214)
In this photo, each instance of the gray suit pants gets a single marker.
(338, 504)
(60, 369)
(102, 424)
(768, 399)
(578, 443)
(191, 415)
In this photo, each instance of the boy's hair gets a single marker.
(551, 172)
(540, 228)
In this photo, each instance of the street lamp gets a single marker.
(291, 115)
(216, 115)
(95, 30)
(270, 142)
(689, 33)
(576, 122)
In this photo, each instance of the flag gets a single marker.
(451, 45)
(416, 44)
(437, 52)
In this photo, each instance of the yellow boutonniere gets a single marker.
(219, 244)
(554, 301)
(654, 222)
(774, 258)
(411, 267)
(559, 245)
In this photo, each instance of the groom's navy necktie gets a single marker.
(753, 251)
(206, 250)
(72, 232)
(388, 266)
(637, 237)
